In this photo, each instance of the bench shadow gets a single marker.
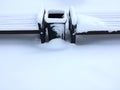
(34, 40)
(22, 39)
(98, 39)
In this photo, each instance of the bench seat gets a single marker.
(94, 23)
(111, 23)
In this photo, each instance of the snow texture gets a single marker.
(73, 15)
(40, 16)
(89, 23)
(55, 44)
(93, 63)
(18, 22)
(98, 22)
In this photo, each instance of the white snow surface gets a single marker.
(73, 16)
(98, 22)
(40, 16)
(89, 23)
(93, 63)
(18, 22)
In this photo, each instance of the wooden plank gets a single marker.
(98, 32)
(20, 32)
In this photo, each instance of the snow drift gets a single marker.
(89, 23)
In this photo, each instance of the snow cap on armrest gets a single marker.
(55, 16)
(40, 16)
(73, 16)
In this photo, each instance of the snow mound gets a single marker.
(89, 23)
(55, 44)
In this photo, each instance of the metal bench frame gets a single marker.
(45, 29)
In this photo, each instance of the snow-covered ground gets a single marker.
(90, 64)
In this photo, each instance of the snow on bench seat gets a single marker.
(18, 22)
(98, 22)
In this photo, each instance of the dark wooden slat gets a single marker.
(19, 32)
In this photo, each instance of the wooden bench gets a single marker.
(112, 21)
(21, 24)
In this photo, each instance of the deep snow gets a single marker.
(88, 23)
(90, 64)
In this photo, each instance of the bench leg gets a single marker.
(72, 33)
(42, 33)
(73, 37)
(42, 36)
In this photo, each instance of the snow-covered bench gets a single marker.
(21, 24)
(43, 23)
(93, 23)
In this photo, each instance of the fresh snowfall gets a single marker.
(92, 63)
